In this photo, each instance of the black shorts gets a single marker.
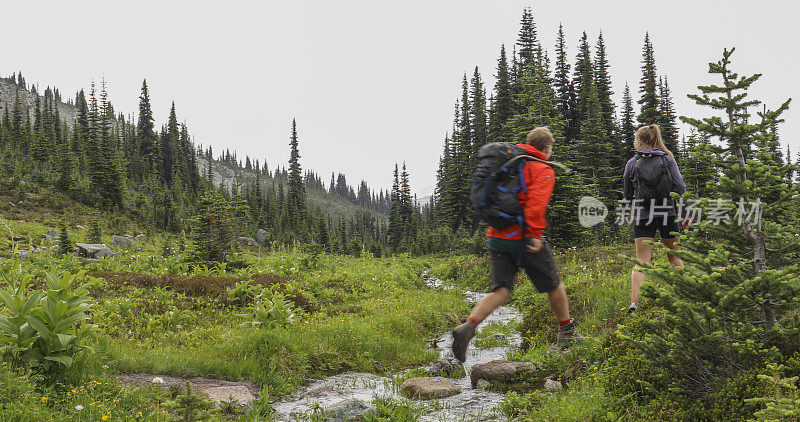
(540, 267)
(642, 229)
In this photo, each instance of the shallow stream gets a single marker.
(470, 405)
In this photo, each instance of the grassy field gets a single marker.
(158, 314)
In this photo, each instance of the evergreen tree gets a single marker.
(561, 80)
(396, 212)
(669, 128)
(477, 104)
(627, 126)
(296, 198)
(502, 108)
(602, 80)
(648, 86)
(530, 51)
(583, 79)
(146, 135)
(65, 244)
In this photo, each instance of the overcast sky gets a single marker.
(370, 83)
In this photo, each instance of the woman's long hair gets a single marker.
(650, 137)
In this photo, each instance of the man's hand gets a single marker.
(535, 245)
(687, 222)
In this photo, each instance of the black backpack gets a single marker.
(497, 181)
(651, 176)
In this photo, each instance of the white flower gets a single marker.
(158, 380)
(78, 408)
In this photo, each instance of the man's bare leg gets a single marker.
(489, 303)
(559, 303)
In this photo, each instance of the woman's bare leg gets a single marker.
(673, 244)
(644, 254)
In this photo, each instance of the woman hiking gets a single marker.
(649, 178)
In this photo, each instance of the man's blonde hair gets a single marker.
(540, 138)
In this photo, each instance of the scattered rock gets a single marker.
(93, 250)
(86, 261)
(499, 337)
(244, 392)
(80, 227)
(379, 366)
(261, 236)
(240, 393)
(50, 234)
(26, 253)
(482, 384)
(425, 388)
(349, 410)
(249, 241)
(551, 385)
(503, 374)
(31, 196)
(122, 241)
(446, 367)
(141, 236)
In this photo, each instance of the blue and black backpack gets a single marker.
(497, 182)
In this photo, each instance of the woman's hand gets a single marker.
(687, 222)
(535, 245)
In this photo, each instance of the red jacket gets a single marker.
(539, 180)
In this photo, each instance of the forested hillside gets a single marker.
(83, 148)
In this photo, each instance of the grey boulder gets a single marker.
(551, 385)
(122, 241)
(446, 367)
(503, 374)
(425, 388)
(249, 241)
(349, 410)
(261, 236)
(93, 250)
(50, 234)
(238, 393)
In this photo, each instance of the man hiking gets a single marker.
(510, 249)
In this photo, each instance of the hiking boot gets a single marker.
(633, 308)
(567, 336)
(461, 337)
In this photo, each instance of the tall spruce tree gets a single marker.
(627, 125)
(146, 135)
(296, 198)
(602, 80)
(668, 119)
(648, 86)
(477, 105)
(502, 108)
(561, 79)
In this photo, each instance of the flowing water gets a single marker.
(470, 405)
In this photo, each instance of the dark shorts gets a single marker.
(540, 267)
(642, 229)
